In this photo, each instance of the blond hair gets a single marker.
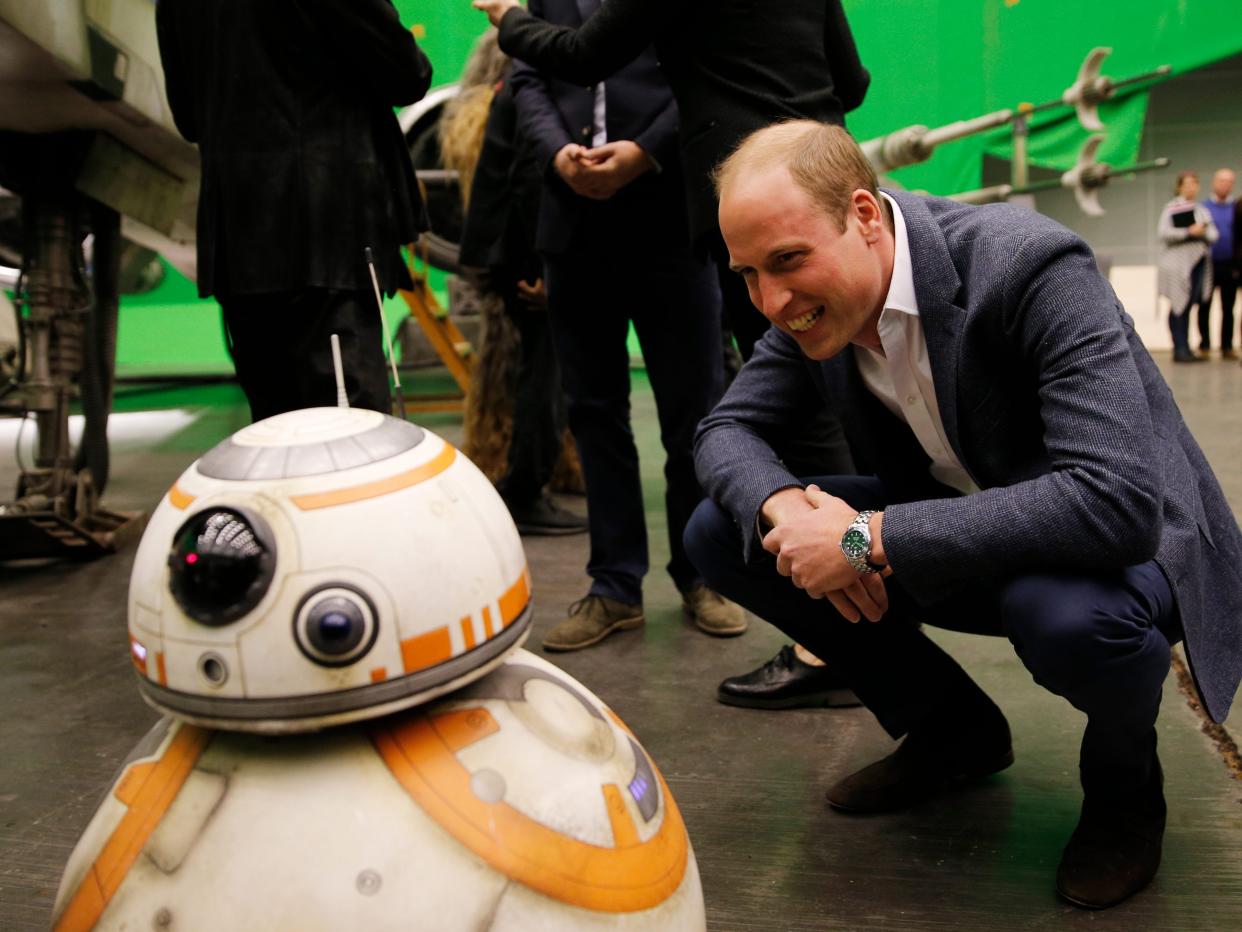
(823, 160)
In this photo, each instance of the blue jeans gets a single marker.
(1100, 640)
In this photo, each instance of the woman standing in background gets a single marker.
(1184, 275)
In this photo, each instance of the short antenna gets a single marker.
(342, 399)
(379, 304)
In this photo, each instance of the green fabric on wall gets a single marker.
(932, 62)
(936, 61)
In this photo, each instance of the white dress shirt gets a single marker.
(901, 377)
(600, 118)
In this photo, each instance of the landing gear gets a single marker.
(67, 350)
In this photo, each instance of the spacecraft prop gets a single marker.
(915, 144)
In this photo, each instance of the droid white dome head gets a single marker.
(322, 566)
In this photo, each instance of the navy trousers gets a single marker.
(1100, 640)
(626, 271)
(1223, 279)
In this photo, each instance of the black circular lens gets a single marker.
(335, 627)
(221, 564)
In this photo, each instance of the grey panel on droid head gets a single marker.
(644, 787)
(240, 462)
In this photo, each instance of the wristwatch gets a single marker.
(856, 544)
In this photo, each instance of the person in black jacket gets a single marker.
(613, 234)
(734, 66)
(303, 167)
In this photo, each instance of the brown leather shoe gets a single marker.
(590, 620)
(958, 745)
(712, 613)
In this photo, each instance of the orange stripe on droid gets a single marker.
(461, 728)
(356, 493)
(147, 789)
(179, 499)
(624, 832)
(160, 666)
(379, 674)
(515, 600)
(467, 632)
(426, 650)
(488, 631)
(628, 877)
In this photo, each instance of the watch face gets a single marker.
(855, 544)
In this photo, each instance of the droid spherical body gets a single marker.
(322, 566)
(296, 592)
(517, 803)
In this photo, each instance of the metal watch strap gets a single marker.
(856, 544)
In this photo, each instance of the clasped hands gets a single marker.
(601, 172)
(806, 541)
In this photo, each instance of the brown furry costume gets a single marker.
(488, 424)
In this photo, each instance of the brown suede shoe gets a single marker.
(1115, 849)
(590, 620)
(712, 613)
(964, 743)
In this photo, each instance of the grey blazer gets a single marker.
(1049, 400)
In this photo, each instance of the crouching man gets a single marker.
(1033, 479)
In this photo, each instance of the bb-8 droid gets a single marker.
(335, 567)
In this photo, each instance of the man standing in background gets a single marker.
(1225, 270)
(303, 167)
(613, 234)
(733, 66)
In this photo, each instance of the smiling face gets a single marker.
(823, 286)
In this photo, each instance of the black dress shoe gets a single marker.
(1115, 849)
(956, 749)
(1187, 357)
(785, 682)
(544, 517)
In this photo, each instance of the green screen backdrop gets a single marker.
(932, 62)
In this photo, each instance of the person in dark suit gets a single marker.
(303, 167)
(1033, 478)
(734, 66)
(613, 233)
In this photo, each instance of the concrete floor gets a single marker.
(749, 783)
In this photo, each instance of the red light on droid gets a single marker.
(191, 558)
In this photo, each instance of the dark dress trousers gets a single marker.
(1099, 535)
(610, 262)
(303, 166)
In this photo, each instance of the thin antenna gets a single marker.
(379, 304)
(342, 399)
